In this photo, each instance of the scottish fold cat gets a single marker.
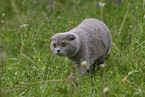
(90, 41)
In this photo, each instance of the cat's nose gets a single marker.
(58, 51)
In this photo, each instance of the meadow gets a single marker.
(28, 67)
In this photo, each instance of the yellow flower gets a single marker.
(73, 66)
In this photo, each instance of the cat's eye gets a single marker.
(64, 44)
(54, 45)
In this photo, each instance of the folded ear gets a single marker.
(52, 37)
(71, 37)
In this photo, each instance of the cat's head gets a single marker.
(65, 44)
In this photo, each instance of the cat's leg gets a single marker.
(85, 65)
(101, 60)
(81, 68)
(98, 62)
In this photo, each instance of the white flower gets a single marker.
(16, 73)
(42, 24)
(24, 25)
(105, 90)
(101, 4)
(39, 60)
(84, 63)
(2, 21)
(103, 65)
(3, 15)
(130, 26)
(58, 17)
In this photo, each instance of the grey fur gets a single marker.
(90, 41)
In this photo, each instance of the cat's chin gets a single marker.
(61, 55)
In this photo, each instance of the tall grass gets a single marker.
(29, 68)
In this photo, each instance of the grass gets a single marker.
(30, 69)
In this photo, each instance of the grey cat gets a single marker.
(90, 41)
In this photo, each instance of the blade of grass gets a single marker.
(124, 19)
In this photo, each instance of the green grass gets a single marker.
(27, 56)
